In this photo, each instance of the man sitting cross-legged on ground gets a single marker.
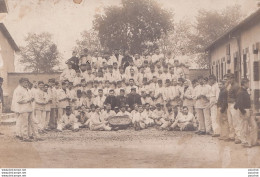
(68, 121)
(96, 122)
(139, 119)
(171, 115)
(184, 121)
(148, 113)
(159, 115)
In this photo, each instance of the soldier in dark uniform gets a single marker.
(121, 99)
(111, 99)
(74, 60)
(133, 98)
(126, 60)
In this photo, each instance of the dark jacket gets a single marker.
(133, 99)
(111, 100)
(126, 61)
(243, 100)
(75, 61)
(232, 92)
(222, 100)
(122, 100)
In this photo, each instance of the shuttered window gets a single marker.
(256, 70)
(256, 98)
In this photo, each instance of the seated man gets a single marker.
(95, 123)
(68, 121)
(139, 119)
(159, 115)
(149, 120)
(107, 113)
(171, 114)
(184, 121)
(123, 112)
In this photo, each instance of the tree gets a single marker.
(40, 55)
(177, 39)
(132, 26)
(209, 26)
(89, 40)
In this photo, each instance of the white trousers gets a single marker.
(204, 119)
(47, 119)
(40, 117)
(100, 127)
(248, 128)
(234, 121)
(22, 124)
(33, 126)
(214, 121)
(72, 126)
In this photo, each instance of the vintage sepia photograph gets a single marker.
(129, 84)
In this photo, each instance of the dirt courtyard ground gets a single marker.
(122, 149)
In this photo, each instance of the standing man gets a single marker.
(133, 98)
(69, 73)
(62, 99)
(126, 60)
(74, 60)
(233, 121)
(247, 126)
(111, 99)
(117, 57)
(22, 106)
(202, 107)
(214, 94)
(40, 103)
(222, 106)
(1, 99)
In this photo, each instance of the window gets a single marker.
(222, 70)
(256, 99)
(245, 66)
(236, 69)
(255, 48)
(228, 59)
(228, 49)
(256, 70)
(217, 71)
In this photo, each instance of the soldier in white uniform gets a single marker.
(202, 107)
(107, 113)
(100, 99)
(22, 106)
(188, 96)
(69, 73)
(63, 100)
(184, 120)
(96, 122)
(68, 121)
(171, 114)
(48, 100)
(40, 103)
(139, 119)
(214, 94)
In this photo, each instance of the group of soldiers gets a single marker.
(153, 90)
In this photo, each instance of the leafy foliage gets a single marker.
(210, 25)
(40, 55)
(193, 38)
(133, 26)
(89, 40)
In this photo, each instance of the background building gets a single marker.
(8, 48)
(238, 51)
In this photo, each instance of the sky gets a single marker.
(65, 19)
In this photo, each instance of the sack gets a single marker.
(119, 120)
